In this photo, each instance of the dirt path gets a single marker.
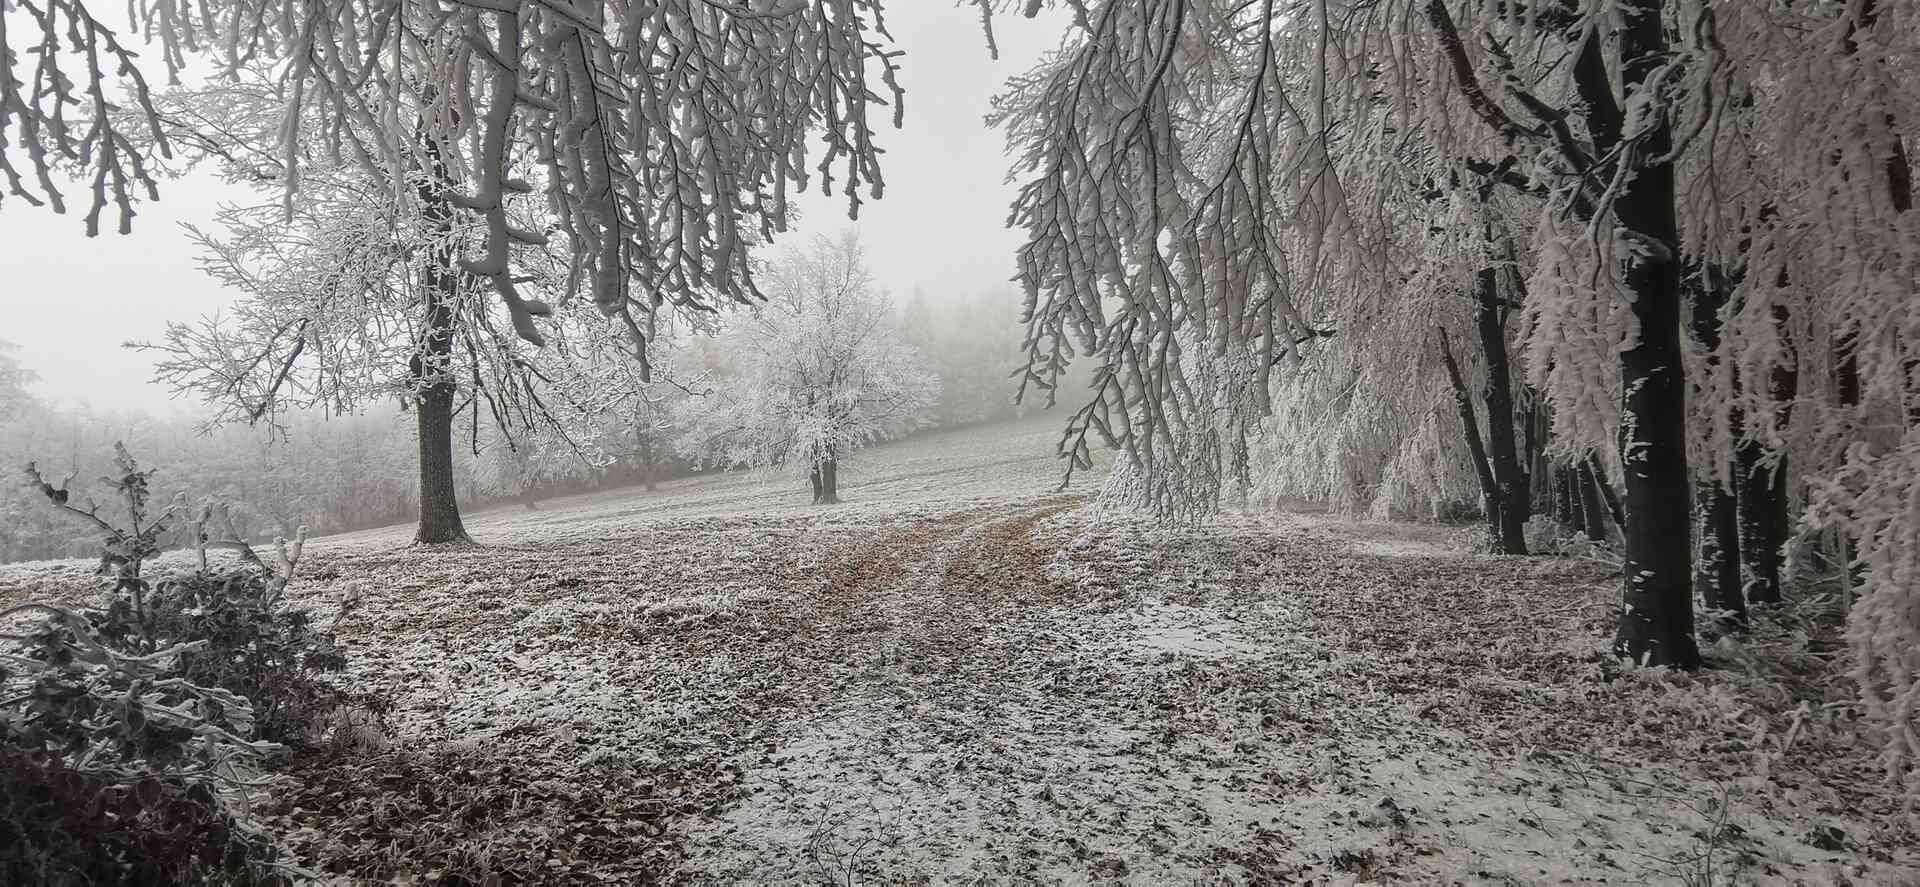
(1038, 700)
(901, 756)
(965, 681)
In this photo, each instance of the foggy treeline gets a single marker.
(336, 473)
(1628, 284)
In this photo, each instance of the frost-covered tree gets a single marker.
(1699, 214)
(1601, 142)
(1798, 199)
(609, 416)
(817, 372)
(354, 292)
(639, 432)
(329, 474)
(665, 135)
(1226, 177)
(14, 379)
(517, 467)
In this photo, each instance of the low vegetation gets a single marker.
(958, 674)
(135, 730)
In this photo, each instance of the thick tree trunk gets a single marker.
(439, 502)
(440, 282)
(830, 482)
(1717, 573)
(1717, 526)
(1656, 622)
(1501, 448)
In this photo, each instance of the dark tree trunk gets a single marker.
(1656, 619)
(1539, 476)
(1566, 498)
(1593, 514)
(1717, 565)
(1718, 570)
(1656, 622)
(439, 502)
(819, 486)
(1501, 448)
(431, 371)
(830, 482)
(1476, 450)
(1761, 490)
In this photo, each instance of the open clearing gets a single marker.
(961, 675)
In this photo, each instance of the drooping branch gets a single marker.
(1454, 51)
(666, 136)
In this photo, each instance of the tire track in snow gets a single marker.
(840, 788)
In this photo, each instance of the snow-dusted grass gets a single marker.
(959, 676)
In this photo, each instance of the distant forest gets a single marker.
(336, 473)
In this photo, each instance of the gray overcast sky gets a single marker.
(69, 301)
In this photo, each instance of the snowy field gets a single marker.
(960, 676)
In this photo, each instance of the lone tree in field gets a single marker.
(353, 292)
(820, 371)
(664, 136)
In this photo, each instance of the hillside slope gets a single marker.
(961, 676)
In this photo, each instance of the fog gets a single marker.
(1446, 442)
(70, 302)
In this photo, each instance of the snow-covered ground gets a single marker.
(960, 676)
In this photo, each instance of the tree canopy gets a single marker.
(665, 137)
(818, 372)
(1688, 224)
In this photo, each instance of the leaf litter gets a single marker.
(960, 676)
